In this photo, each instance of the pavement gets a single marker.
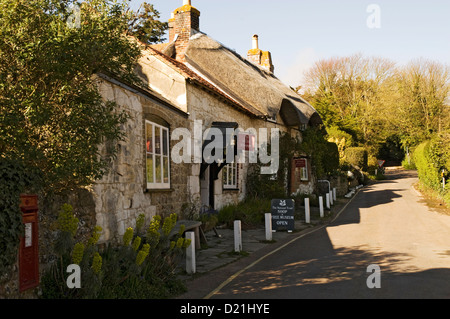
(216, 261)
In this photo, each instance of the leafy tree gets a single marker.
(421, 103)
(52, 116)
(349, 92)
(378, 103)
(146, 26)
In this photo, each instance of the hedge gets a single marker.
(430, 158)
(357, 157)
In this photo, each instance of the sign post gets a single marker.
(282, 211)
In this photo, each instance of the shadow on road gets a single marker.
(400, 174)
(341, 275)
(318, 270)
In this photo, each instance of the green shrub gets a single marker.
(357, 157)
(447, 195)
(427, 168)
(409, 163)
(250, 212)
(15, 178)
(430, 158)
(139, 268)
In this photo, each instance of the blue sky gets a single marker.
(300, 32)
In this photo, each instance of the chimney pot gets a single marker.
(255, 42)
(184, 23)
(257, 56)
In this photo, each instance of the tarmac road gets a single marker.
(387, 224)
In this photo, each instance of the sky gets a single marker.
(301, 32)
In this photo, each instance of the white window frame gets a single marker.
(230, 181)
(304, 176)
(161, 184)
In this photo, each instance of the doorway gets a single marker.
(207, 188)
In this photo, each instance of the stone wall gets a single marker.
(121, 195)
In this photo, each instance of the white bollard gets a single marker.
(268, 218)
(328, 200)
(237, 236)
(307, 211)
(331, 197)
(321, 206)
(334, 194)
(190, 254)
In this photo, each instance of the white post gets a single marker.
(331, 197)
(328, 200)
(190, 254)
(321, 206)
(268, 218)
(443, 180)
(307, 211)
(334, 194)
(237, 236)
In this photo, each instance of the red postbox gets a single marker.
(29, 246)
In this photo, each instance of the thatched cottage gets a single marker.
(194, 83)
(192, 86)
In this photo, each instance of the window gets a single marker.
(229, 176)
(304, 172)
(300, 169)
(157, 156)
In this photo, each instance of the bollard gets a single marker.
(334, 194)
(331, 197)
(237, 236)
(328, 200)
(321, 206)
(268, 218)
(307, 211)
(190, 254)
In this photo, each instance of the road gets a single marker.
(386, 224)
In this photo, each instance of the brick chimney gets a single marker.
(185, 21)
(257, 56)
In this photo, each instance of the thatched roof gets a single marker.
(195, 78)
(254, 87)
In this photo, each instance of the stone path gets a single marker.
(218, 256)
